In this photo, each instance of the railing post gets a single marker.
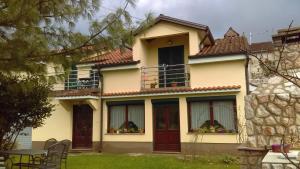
(68, 81)
(94, 81)
(142, 78)
(165, 75)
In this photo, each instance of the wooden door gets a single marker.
(173, 71)
(166, 127)
(82, 126)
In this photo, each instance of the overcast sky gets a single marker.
(261, 17)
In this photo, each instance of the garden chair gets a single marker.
(67, 143)
(53, 158)
(2, 165)
(49, 143)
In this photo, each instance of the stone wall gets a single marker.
(290, 60)
(272, 111)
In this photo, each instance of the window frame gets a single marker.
(211, 112)
(126, 104)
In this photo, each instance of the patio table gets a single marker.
(25, 152)
(273, 159)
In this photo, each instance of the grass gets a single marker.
(125, 161)
(113, 161)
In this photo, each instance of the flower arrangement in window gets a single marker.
(131, 128)
(207, 127)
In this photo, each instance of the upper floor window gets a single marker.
(212, 116)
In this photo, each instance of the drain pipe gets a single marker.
(101, 110)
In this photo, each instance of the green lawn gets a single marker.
(113, 161)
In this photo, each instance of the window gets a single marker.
(216, 116)
(126, 118)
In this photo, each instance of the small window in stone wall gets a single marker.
(213, 116)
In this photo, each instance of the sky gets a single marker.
(260, 17)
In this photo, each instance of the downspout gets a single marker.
(247, 74)
(101, 110)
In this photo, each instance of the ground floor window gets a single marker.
(212, 116)
(126, 118)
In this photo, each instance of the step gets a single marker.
(81, 150)
(1, 158)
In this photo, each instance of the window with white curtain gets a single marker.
(117, 116)
(213, 116)
(224, 114)
(126, 118)
(136, 116)
(199, 114)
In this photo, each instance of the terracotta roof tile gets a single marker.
(115, 57)
(76, 92)
(262, 47)
(173, 90)
(232, 43)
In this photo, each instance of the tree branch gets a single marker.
(71, 51)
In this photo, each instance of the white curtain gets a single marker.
(224, 113)
(199, 114)
(136, 114)
(117, 116)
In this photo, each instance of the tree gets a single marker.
(24, 102)
(34, 31)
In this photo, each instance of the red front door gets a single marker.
(166, 127)
(82, 126)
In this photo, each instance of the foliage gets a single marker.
(226, 159)
(42, 31)
(24, 102)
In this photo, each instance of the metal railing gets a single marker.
(82, 79)
(164, 76)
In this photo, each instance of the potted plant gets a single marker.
(141, 130)
(173, 84)
(153, 85)
(279, 147)
(212, 129)
(112, 130)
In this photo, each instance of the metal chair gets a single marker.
(53, 158)
(2, 163)
(67, 143)
(49, 143)
(5, 162)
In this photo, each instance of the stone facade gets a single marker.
(272, 113)
(290, 60)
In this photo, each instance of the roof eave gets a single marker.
(216, 55)
(99, 66)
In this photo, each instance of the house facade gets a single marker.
(175, 81)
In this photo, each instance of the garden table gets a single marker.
(273, 159)
(25, 152)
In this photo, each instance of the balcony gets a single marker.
(165, 76)
(82, 79)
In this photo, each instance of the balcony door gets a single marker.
(171, 68)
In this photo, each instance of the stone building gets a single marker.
(269, 52)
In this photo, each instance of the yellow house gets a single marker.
(176, 80)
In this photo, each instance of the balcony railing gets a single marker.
(164, 76)
(86, 79)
